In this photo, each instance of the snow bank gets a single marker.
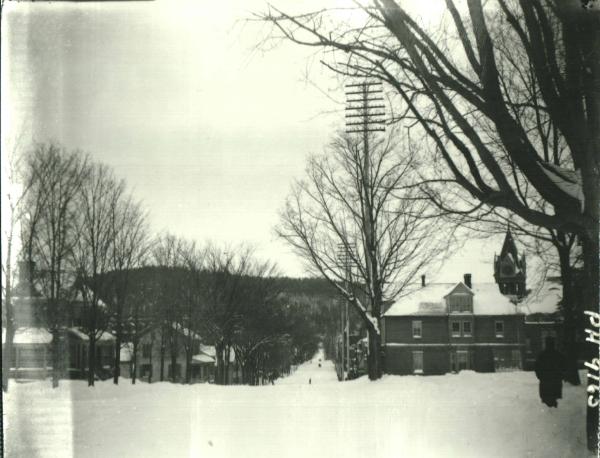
(466, 415)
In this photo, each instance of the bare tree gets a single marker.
(166, 253)
(226, 269)
(98, 196)
(450, 81)
(128, 227)
(16, 187)
(362, 205)
(143, 315)
(524, 99)
(191, 299)
(261, 324)
(49, 233)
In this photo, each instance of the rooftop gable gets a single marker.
(459, 288)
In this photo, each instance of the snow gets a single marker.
(25, 335)
(429, 300)
(544, 298)
(126, 352)
(466, 415)
(569, 181)
(105, 336)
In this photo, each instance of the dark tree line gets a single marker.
(272, 327)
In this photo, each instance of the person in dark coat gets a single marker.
(549, 369)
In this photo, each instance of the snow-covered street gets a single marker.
(466, 415)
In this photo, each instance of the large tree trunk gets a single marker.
(226, 353)
(162, 354)
(118, 339)
(569, 307)
(248, 366)
(134, 361)
(173, 350)
(374, 360)
(56, 357)
(188, 363)
(91, 359)
(219, 356)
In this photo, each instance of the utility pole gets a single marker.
(365, 113)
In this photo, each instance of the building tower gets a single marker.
(510, 271)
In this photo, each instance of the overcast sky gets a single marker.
(207, 131)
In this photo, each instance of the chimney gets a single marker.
(422, 281)
(467, 281)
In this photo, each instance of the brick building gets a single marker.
(485, 327)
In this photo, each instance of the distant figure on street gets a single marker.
(309, 381)
(549, 369)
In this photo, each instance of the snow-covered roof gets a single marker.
(543, 299)
(202, 358)
(104, 337)
(27, 335)
(429, 300)
(208, 350)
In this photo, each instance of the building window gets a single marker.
(146, 350)
(460, 303)
(455, 328)
(466, 328)
(417, 362)
(499, 328)
(417, 329)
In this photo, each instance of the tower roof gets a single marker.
(509, 266)
(509, 247)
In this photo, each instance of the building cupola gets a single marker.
(510, 270)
